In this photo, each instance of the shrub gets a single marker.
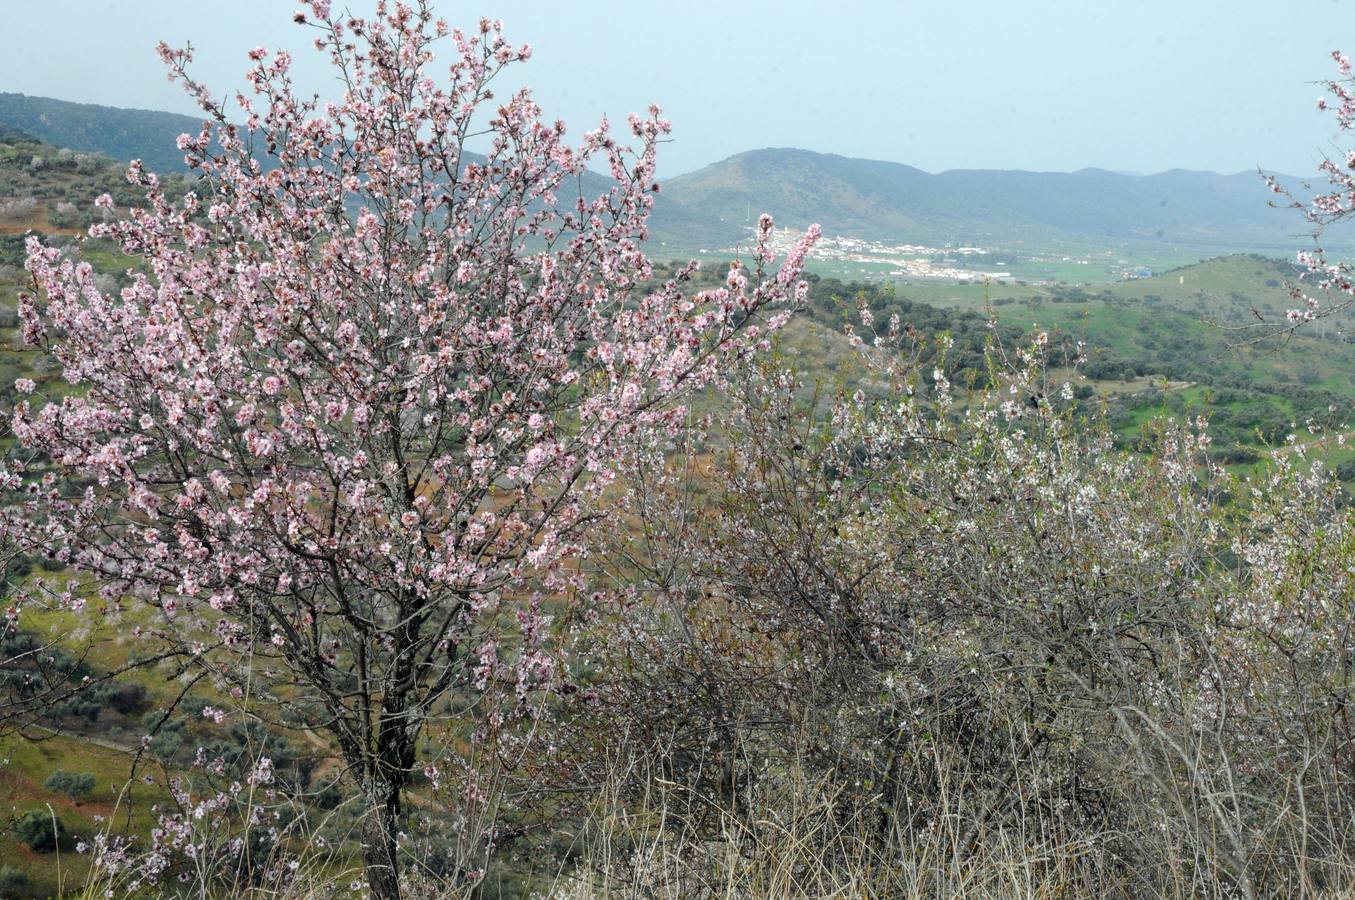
(76, 786)
(127, 697)
(13, 883)
(903, 604)
(64, 215)
(167, 737)
(328, 797)
(40, 831)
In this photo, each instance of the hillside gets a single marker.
(126, 134)
(122, 134)
(1149, 354)
(1192, 340)
(872, 199)
(883, 200)
(426, 473)
(52, 189)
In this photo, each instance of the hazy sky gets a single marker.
(1140, 85)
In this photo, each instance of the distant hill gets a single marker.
(712, 207)
(122, 134)
(11, 135)
(884, 200)
(127, 134)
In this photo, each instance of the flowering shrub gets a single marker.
(921, 596)
(17, 207)
(218, 833)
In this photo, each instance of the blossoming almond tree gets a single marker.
(346, 424)
(1325, 209)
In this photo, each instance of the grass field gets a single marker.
(29, 761)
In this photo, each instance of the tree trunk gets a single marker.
(379, 829)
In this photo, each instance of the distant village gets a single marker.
(907, 261)
(891, 260)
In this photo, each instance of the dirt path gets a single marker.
(89, 739)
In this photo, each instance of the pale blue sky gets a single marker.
(1139, 85)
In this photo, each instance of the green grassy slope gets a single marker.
(121, 134)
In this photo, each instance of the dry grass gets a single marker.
(795, 836)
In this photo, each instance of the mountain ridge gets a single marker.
(713, 206)
(882, 199)
(121, 133)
